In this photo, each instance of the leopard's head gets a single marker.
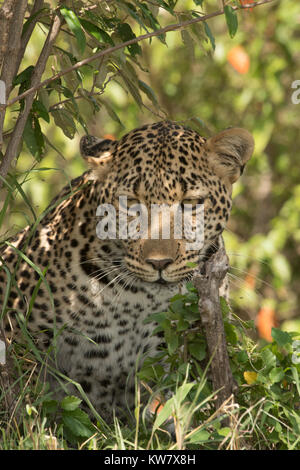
(167, 164)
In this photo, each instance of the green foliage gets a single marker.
(268, 397)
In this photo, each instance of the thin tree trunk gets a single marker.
(11, 22)
(16, 137)
(207, 283)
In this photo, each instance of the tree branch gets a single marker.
(12, 12)
(110, 50)
(19, 52)
(38, 4)
(207, 283)
(6, 15)
(12, 148)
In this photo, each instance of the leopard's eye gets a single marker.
(125, 203)
(190, 204)
(132, 202)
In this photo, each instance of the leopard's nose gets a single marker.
(160, 263)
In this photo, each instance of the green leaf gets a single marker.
(75, 26)
(199, 436)
(269, 360)
(172, 340)
(209, 35)
(50, 407)
(29, 137)
(231, 334)
(39, 108)
(63, 119)
(276, 374)
(166, 6)
(183, 391)
(282, 338)
(33, 136)
(155, 317)
(78, 422)
(151, 372)
(231, 20)
(197, 350)
(177, 306)
(125, 32)
(148, 15)
(146, 373)
(151, 20)
(182, 325)
(176, 297)
(110, 111)
(242, 357)
(70, 403)
(224, 431)
(148, 92)
(97, 32)
(133, 90)
(24, 76)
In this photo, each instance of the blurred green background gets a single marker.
(245, 82)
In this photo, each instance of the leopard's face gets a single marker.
(167, 165)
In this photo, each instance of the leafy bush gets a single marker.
(266, 410)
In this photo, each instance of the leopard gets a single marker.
(90, 296)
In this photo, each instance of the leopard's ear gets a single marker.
(229, 152)
(98, 153)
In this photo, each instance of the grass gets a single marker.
(264, 415)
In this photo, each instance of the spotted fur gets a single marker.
(102, 290)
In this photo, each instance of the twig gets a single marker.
(208, 282)
(110, 50)
(12, 16)
(12, 148)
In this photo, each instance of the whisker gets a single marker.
(102, 274)
(241, 285)
(260, 260)
(253, 276)
(100, 260)
(113, 280)
(130, 280)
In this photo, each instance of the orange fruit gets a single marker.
(265, 321)
(239, 59)
(247, 2)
